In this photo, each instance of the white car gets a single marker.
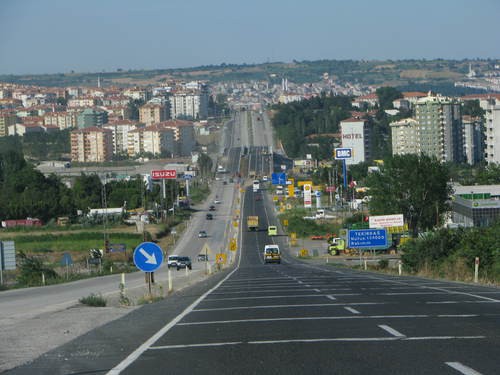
(216, 201)
(172, 261)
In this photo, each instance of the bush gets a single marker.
(383, 264)
(93, 300)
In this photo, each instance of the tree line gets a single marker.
(26, 192)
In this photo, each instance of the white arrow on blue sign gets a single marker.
(148, 256)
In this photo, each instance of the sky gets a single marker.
(60, 36)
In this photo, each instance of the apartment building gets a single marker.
(356, 134)
(492, 130)
(7, 119)
(152, 113)
(189, 104)
(473, 139)
(440, 130)
(91, 117)
(91, 144)
(405, 137)
(121, 131)
(63, 120)
(169, 138)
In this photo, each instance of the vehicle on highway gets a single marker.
(272, 254)
(202, 257)
(217, 201)
(264, 178)
(211, 208)
(183, 262)
(256, 186)
(253, 223)
(272, 230)
(210, 217)
(202, 234)
(172, 261)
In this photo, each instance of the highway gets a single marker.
(296, 317)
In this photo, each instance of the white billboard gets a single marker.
(386, 221)
(307, 195)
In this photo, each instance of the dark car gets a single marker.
(211, 208)
(202, 257)
(183, 262)
(202, 234)
(210, 216)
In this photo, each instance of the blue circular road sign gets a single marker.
(148, 256)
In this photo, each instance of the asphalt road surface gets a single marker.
(295, 318)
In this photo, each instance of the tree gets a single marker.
(386, 95)
(416, 186)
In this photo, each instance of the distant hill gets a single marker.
(407, 74)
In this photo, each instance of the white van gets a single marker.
(256, 186)
(272, 254)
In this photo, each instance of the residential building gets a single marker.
(356, 134)
(121, 131)
(473, 136)
(91, 117)
(63, 120)
(91, 144)
(6, 119)
(440, 128)
(189, 104)
(159, 140)
(184, 136)
(492, 130)
(405, 137)
(152, 113)
(22, 129)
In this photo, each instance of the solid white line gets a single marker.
(450, 302)
(333, 339)
(149, 342)
(462, 368)
(288, 306)
(195, 345)
(354, 311)
(392, 331)
(443, 337)
(263, 320)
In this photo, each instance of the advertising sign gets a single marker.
(7, 255)
(367, 239)
(307, 196)
(163, 174)
(343, 153)
(386, 221)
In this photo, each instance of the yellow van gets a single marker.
(272, 230)
(272, 254)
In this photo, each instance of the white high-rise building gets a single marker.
(492, 130)
(356, 134)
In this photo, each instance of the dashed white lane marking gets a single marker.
(288, 306)
(282, 296)
(329, 296)
(354, 311)
(462, 368)
(195, 345)
(392, 331)
(303, 318)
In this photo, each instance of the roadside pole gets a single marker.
(476, 270)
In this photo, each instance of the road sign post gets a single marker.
(148, 257)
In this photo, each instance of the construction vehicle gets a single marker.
(336, 245)
(252, 223)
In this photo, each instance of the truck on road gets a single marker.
(253, 223)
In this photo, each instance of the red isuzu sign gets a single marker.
(165, 173)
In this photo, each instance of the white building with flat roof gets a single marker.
(356, 134)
